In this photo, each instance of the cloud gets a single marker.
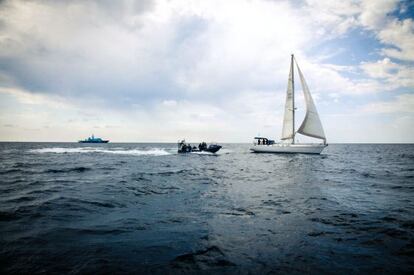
(401, 104)
(337, 17)
(179, 49)
(73, 48)
(373, 14)
(127, 53)
(399, 34)
(332, 18)
(25, 97)
(396, 34)
(395, 75)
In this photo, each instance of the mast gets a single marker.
(288, 130)
(293, 100)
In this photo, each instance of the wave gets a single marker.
(79, 169)
(224, 151)
(211, 257)
(9, 171)
(117, 151)
(221, 152)
(8, 216)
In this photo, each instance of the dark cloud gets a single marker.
(57, 53)
(106, 58)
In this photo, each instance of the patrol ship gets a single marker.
(93, 139)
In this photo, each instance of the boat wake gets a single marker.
(116, 151)
(221, 152)
(203, 153)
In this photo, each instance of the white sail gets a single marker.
(288, 131)
(311, 125)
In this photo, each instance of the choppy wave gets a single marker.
(221, 152)
(117, 151)
(79, 169)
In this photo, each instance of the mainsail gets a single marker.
(288, 131)
(311, 125)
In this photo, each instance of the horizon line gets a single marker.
(166, 142)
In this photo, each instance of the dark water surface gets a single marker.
(143, 208)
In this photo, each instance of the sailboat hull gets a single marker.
(289, 148)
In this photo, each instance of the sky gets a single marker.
(160, 71)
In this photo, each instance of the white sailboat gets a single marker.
(311, 125)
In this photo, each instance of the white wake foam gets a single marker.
(202, 153)
(134, 152)
(220, 152)
(224, 151)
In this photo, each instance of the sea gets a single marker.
(142, 208)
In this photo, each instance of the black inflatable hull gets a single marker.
(211, 149)
(87, 141)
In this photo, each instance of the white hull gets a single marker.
(289, 148)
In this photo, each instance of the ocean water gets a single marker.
(142, 208)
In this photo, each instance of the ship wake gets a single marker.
(116, 151)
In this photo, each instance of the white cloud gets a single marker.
(332, 18)
(403, 103)
(395, 75)
(28, 98)
(374, 13)
(337, 17)
(399, 34)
